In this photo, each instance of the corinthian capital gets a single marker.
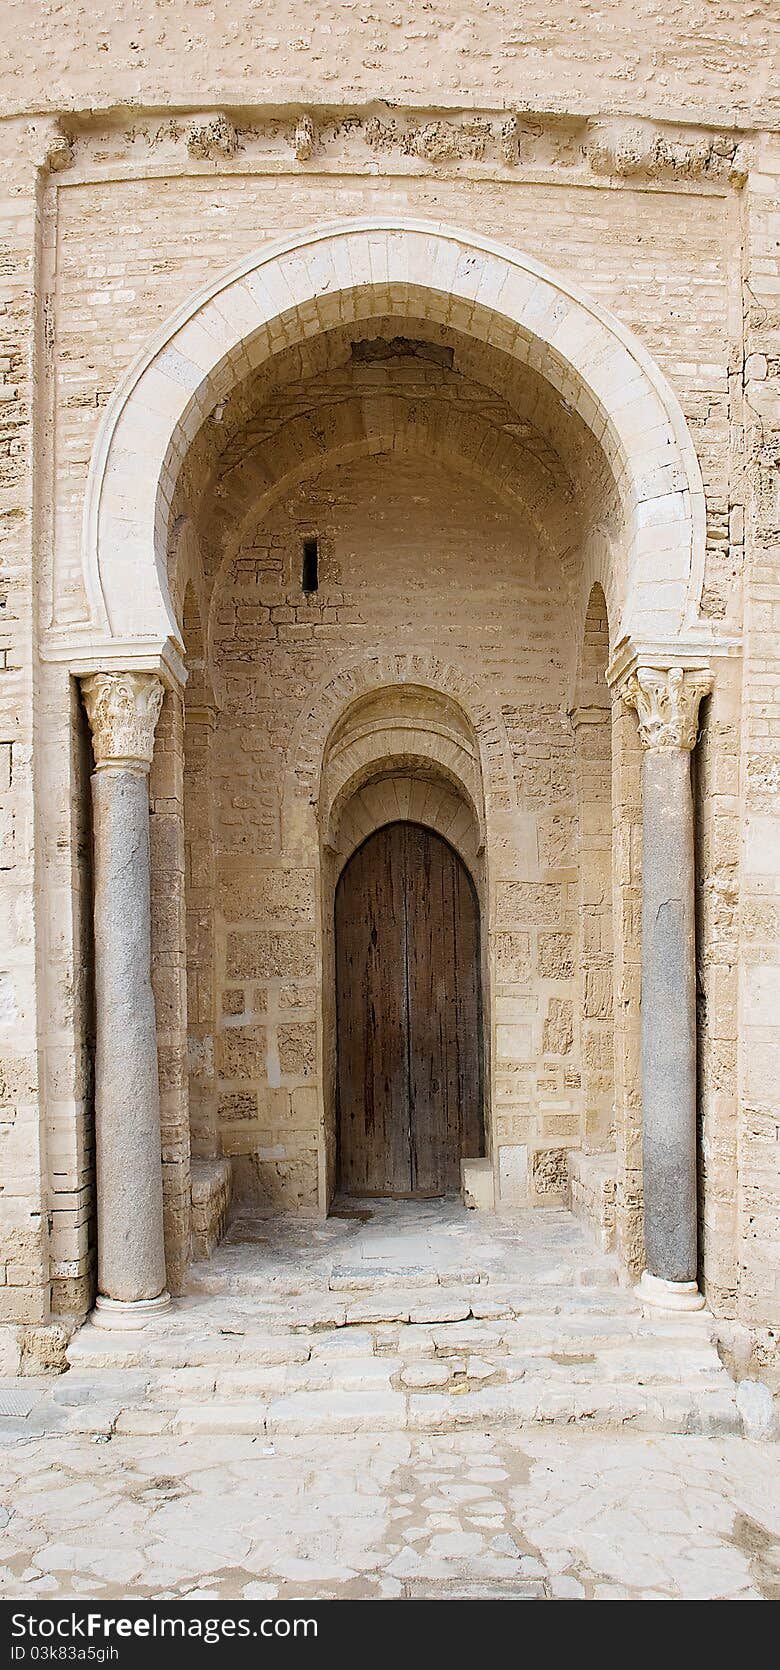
(667, 705)
(123, 709)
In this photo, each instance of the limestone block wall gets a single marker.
(200, 900)
(169, 978)
(435, 586)
(717, 807)
(592, 721)
(758, 1156)
(24, 1261)
(161, 57)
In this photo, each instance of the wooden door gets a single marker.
(408, 1003)
(371, 1007)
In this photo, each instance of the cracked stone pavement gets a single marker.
(533, 1514)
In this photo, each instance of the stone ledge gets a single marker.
(212, 1189)
(593, 1180)
(477, 1185)
(33, 1349)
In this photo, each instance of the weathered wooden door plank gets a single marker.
(444, 1012)
(373, 1092)
(408, 1015)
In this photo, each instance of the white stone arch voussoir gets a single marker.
(359, 269)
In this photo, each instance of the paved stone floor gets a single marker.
(411, 1241)
(533, 1515)
(407, 1400)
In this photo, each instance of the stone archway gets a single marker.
(649, 557)
(357, 270)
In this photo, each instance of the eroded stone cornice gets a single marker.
(517, 141)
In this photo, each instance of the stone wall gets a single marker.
(110, 220)
(662, 61)
(24, 1269)
(759, 908)
(460, 583)
(169, 978)
(592, 721)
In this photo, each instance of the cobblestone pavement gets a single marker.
(538, 1515)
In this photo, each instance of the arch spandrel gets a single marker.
(366, 269)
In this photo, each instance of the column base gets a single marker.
(128, 1314)
(669, 1295)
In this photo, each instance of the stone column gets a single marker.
(667, 704)
(123, 709)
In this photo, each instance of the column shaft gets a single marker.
(123, 709)
(668, 1016)
(667, 703)
(131, 1261)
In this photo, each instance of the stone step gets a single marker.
(93, 1348)
(652, 1376)
(602, 1364)
(610, 1405)
(628, 1363)
(457, 1305)
(337, 1332)
(410, 1280)
(594, 1332)
(261, 1338)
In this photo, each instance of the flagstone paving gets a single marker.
(408, 1400)
(536, 1515)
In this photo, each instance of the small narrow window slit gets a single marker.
(310, 567)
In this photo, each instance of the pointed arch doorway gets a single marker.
(408, 1016)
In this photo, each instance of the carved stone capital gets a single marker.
(667, 705)
(123, 709)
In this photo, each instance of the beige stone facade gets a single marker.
(498, 329)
